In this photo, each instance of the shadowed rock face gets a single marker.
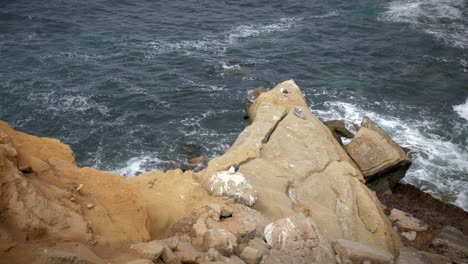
(297, 166)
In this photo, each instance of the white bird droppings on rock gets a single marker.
(233, 185)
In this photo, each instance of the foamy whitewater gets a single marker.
(149, 85)
(462, 110)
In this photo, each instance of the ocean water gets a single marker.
(140, 85)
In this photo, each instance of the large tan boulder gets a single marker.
(382, 161)
(295, 164)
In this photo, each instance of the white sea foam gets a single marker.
(462, 110)
(255, 30)
(442, 19)
(136, 165)
(439, 166)
(333, 13)
(217, 44)
(68, 102)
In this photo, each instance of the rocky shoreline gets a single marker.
(287, 191)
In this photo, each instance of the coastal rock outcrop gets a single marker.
(50, 201)
(301, 199)
(382, 161)
(297, 166)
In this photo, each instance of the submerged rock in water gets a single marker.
(382, 161)
(338, 129)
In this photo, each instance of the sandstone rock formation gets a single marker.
(407, 221)
(45, 204)
(297, 166)
(382, 161)
(309, 203)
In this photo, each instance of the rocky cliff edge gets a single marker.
(303, 188)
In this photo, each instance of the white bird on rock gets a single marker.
(234, 169)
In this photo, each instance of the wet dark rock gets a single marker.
(338, 129)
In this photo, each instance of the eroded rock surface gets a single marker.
(406, 221)
(453, 243)
(382, 161)
(350, 252)
(297, 166)
(303, 188)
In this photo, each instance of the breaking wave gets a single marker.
(439, 165)
(462, 110)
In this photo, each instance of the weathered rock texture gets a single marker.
(382, 161)
(453, 243)
(296, 165)
(45, 204)
(304, 189)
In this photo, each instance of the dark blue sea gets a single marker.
(140, 85)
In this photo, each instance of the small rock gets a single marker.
(90, 205)
(226, 212)
(141, 261)
(260, 245)
(338, 129)
(198, 160)
(78, 189)
(434, 258)
(221, 240)
(151, 250)
(171, 242)
(73, 199)
(188, 257)
(168, 257)
(251, 255)
(53, 256)
(412, 256)
(214, 211)
(185, 247)
(354, 252)
(410, 235)
(407, 221)
(213, 256)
